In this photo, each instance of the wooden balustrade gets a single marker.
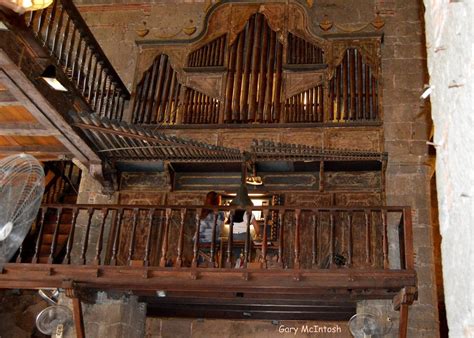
(62, 182)
(167, 236)
(63, 32)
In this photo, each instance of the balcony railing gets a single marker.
(378, 238)
(64, 34)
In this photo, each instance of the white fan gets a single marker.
(53, 320)
(365, 325)
(21, 191)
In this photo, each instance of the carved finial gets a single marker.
(378, 22)
(326, 24)
(143, 31)
(310, 3)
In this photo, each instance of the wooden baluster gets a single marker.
(311, 104)
(150, 94)
(360, 112)
(331, 239)
(70, 237)
(118, 228)
(349, 242)
(367, 237)
(265, 238)
(85, 241)
(41, 22)
(197, 232)
(54, 242)
(75, 64)
(86, 84)
(122, 106)
(97, 86)
(281, 218)
(146, 256)
(39, 239)
(352, 82)
(107, 89)
(213, 239)
(103, 94)
(267, 112)
(409, 262)
(230, 83)
(59, 27)
(69, 61)
(230, 239)
(62, 55)
(262, 80)
(98, 251)
(179, 260)
(246, 73)
(49, 27)
(80, 71)
(164, 248)
(315, 238)
(20, 254)
(277, 84)
(131, 248)
(259, 22)
(386, 264)
(297, 238)
(247, 238)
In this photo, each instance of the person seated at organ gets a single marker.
(239, 230)
(208, 218)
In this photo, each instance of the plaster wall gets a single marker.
(450, 41)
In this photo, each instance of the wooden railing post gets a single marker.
(164, 248)
(146, 256)
(408, 244)
(105, 212)
(194, 263)
(85, 241)
(131, 249)
(297, 238)
(39, 239)
(70, 238)
(179, 260)
(54, 242)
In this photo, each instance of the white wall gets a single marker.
(450, 45)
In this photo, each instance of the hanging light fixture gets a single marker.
(21, 6)
(49, 75)
(242, 199)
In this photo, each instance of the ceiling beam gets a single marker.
(26, 129)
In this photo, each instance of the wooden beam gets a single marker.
(190, 280)
(46, 149)
(76, 309)
(26, 129)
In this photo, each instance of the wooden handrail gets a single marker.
(64, 34)
(354, 236)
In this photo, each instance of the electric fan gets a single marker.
(21, 191)
(53, 320)
(364, 325)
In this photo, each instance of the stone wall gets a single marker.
(450, 37)
(209, 328)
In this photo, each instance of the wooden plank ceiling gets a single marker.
(20, 131)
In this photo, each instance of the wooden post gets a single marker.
(405, 297)
(76, 308)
